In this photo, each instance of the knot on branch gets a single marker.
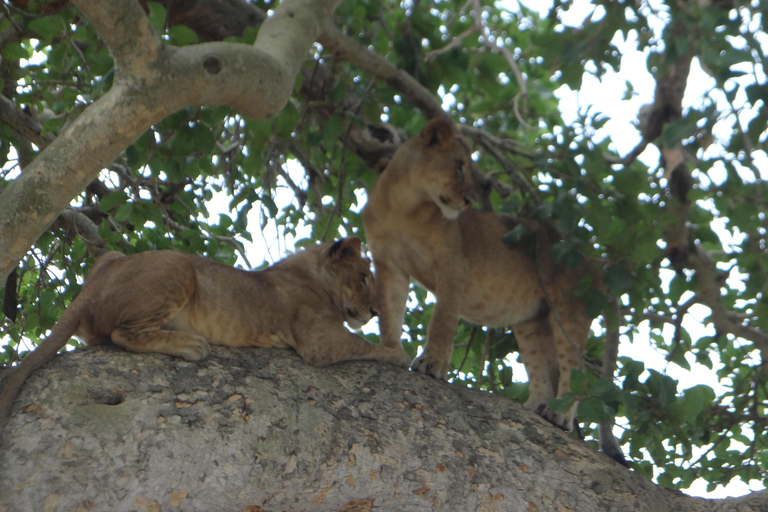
(212, 64)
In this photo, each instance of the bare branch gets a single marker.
(352, 51)
(494, 148)
(84, 228)
(504, 51)
(25, 125)
(456, 41)
(709, 290)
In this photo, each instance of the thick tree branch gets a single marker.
(126, 31)
(152, 82)
(287, 436)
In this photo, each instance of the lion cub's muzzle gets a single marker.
(447, 202)
(451, 207)
(357, 319)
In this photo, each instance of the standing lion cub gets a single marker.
(419, 226)
(177, 303)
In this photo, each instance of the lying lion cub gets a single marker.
(418, 226)
(177, 303)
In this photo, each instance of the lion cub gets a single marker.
(177, 303)
(419, 226)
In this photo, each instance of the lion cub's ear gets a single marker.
(345, 248)
(438, 132)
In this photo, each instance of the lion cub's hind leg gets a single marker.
(570, 329)
(537, 350)
(184, 344)
(142, 304)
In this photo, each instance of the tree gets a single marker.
(111, 117)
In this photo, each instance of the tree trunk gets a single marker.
(258, 430)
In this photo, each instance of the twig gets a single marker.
(456, 41)
(487, 362)
(630, 158)
(469, 345)
(518, 179)
(355, 53)
(504, 51)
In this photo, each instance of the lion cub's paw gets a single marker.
(430, 366)
(195, 349)
(563, 421)
(401, 358)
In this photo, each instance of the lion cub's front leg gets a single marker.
(321, 341)
(441, 332)
(392, 287)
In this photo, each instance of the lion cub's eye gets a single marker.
(459, 168)
(363, 277)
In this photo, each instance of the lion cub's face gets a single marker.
(445, 168)
(355, 282)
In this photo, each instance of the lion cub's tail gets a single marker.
(60, 334)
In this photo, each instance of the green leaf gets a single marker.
(249, 35)
(618, 279)
(14, 51)
(604, 389)
(332, 129)
(285, 122)
(109, 201)
(676, 131)
(563, 404)
(668, 391)
(182, 36)
(514, 236)
(47, 26)
(591, 410)
(678, 357)
(566, 254)
(132, 156)
(124, 212)
(579, 382)
(157, 16)
(267, 201)
(51, 125)
(517, 391)
(696, 400)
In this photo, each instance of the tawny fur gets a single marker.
(177, 303)
(419, 226)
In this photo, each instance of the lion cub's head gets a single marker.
(439, 163)
(354, 281)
